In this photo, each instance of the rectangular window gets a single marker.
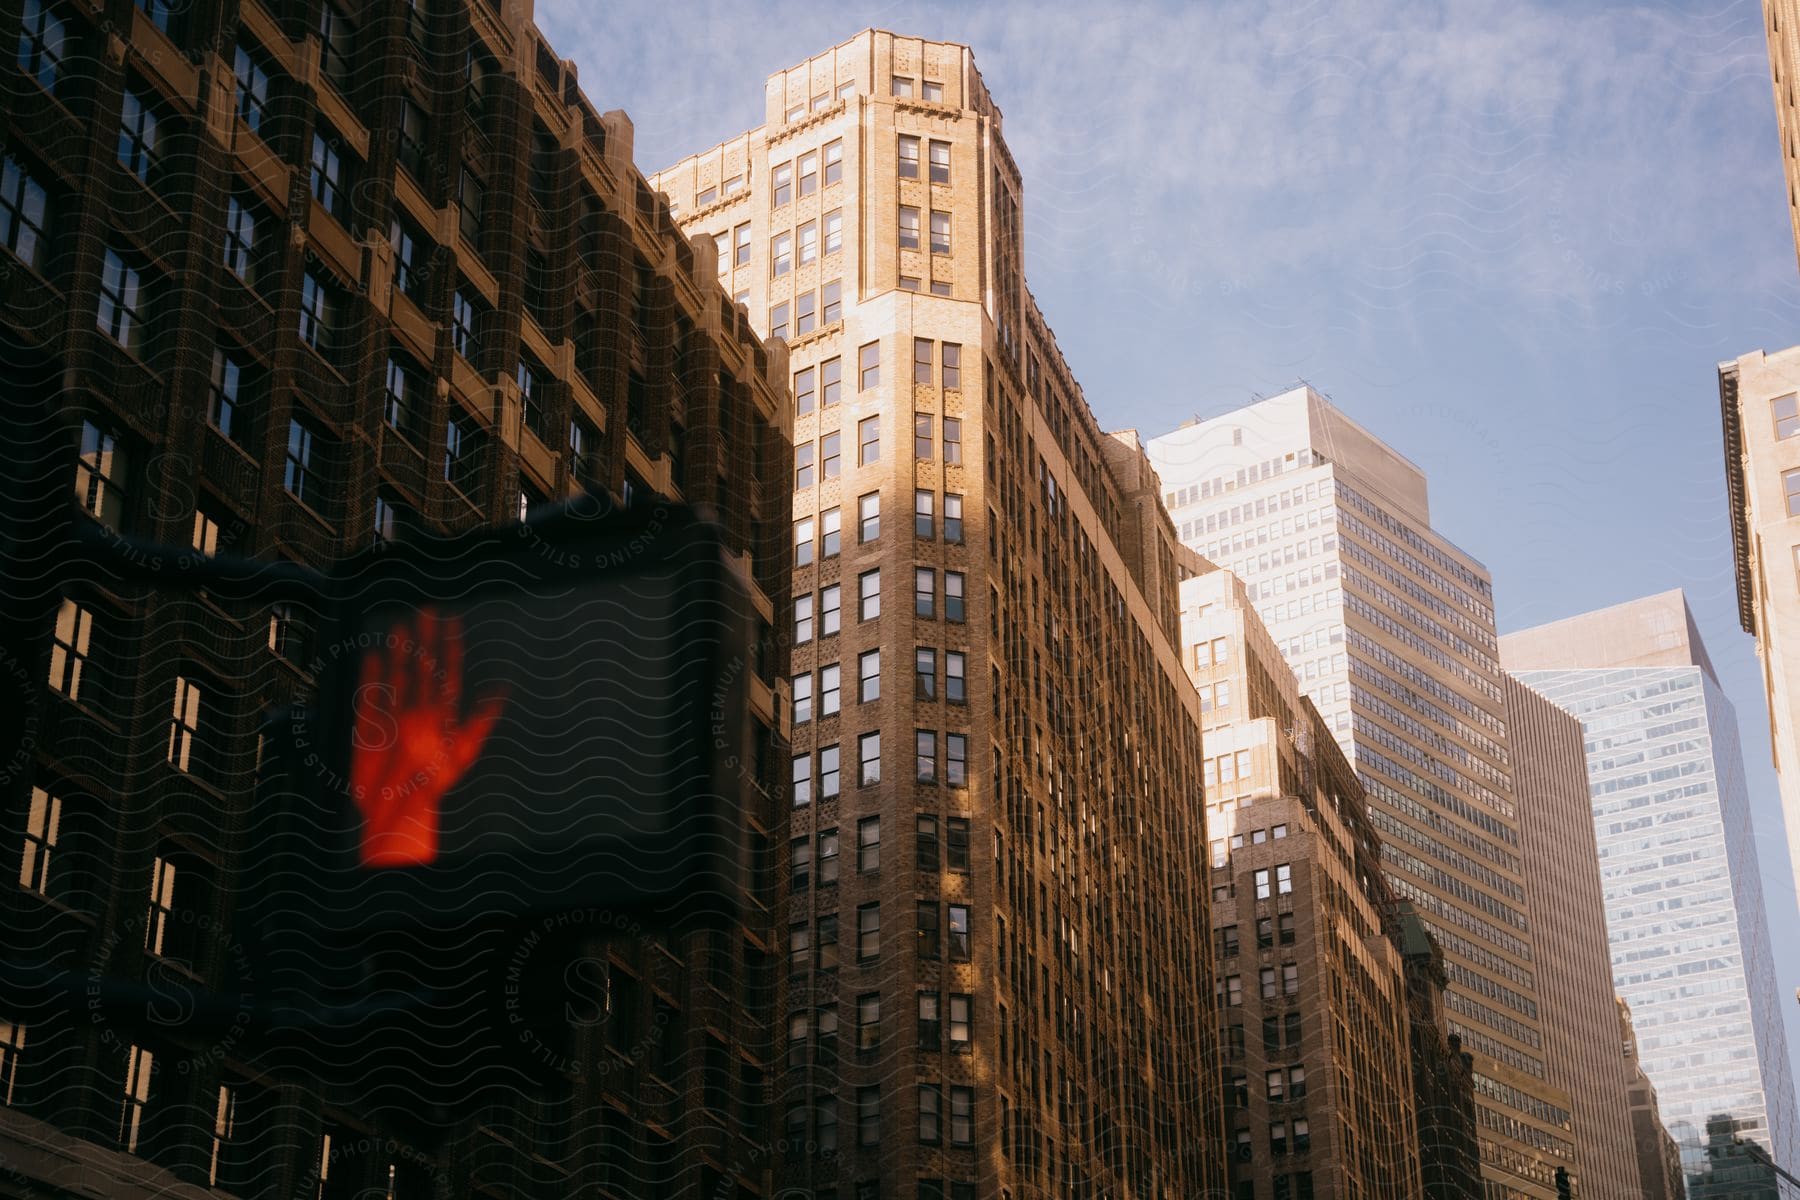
(868, 361)
(1262, 883)
(721, 247)
(909, 157)
(830, 532)
(960, 941)
(43, 43)
(925, 755)
(140, 1069)
(962, 1116)
(869, 758)
(925, 843)
(909, 228)
(834, 160)
(251, 91)
(953, 526)
(956, 843)
(137, 136)
(23, 212)
(781, 254)
(809, 242)
(930, 1020)
(834, 232)
(803, 620)
(831, 374)
(327, 175)
(781, 181)
(961, 1022)
(317, 313)
(12, 1044)
(1284, 879)
(43, 825)
(828, 852)
(301, 472)
(831, 305)
(929, 945)
(923, 520)
(832, 455)
(69, 648)
(902, 87)
(952, 440)
(802, 688)
(868, 441)
(934, 91)
(778, 321)
(952, 365)
(956, 688)
(804, 395)
(741, 256)
(806, 310)
(1790, 487)
(925, 673)
(868, 932)
(826, 943)
(940, 162)
(809, 172)
(922, 440)
(1786, 411)
(828, 610)
(120, 294)
(868, 515)
(924, 592)
(800, 852)
(868, 1114)
(956, 759)
(803, 542)
(940, 232)
(802, 780)
(868, 1024)
(931, 1103)
(829, 777)
(803, 465)
(462, 325)
(184, 723)
(829, 690)
(868, 845)
(923, 360)
(869, 591)
(953, 596)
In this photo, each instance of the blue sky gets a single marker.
(1512, 239)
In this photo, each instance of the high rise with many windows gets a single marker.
(1390, 630)
(292, 278)
(1684, 909)
(999, 981)
(1312, 994)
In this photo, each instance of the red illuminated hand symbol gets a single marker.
(411, 743)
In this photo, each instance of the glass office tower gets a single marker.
(1684, 910)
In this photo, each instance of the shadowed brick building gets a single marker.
(298, 278)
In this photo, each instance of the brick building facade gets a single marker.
(297, 278)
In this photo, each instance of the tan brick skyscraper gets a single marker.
(999, 980)
(1312, 992)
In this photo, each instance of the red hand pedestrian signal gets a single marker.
(411, 742)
